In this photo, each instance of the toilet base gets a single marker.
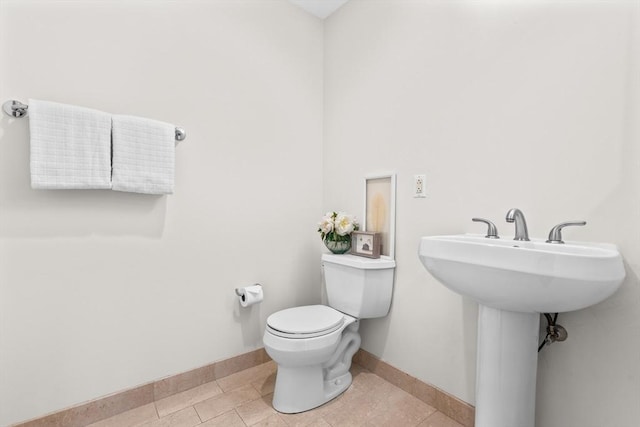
(308, 378)
(300, 389)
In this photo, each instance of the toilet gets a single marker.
(313, 344)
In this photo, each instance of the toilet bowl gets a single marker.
(313, 345)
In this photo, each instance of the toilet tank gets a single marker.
(358, 286)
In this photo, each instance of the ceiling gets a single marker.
(319, 8)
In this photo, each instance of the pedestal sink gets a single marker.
(515, 281)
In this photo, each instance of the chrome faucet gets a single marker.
(516, 216)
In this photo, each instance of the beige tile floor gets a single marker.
(244, 399)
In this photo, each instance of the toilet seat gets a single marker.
(305, 322)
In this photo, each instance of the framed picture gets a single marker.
(366, 244)
(380, 210)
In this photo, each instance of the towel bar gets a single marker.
(17, 109)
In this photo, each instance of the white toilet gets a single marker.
(313, 345)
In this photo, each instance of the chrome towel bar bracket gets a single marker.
(17, 109)
(180, 134)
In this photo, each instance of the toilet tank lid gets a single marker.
(359, 262)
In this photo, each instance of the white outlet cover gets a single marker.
(419, 186)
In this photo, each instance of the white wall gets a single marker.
(529, 104)
(101, 291)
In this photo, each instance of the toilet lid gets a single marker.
(306, 320)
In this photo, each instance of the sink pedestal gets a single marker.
(507, 363)
(514, 281)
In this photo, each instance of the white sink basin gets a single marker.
(524, 276)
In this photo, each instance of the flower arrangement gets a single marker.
(335, 231)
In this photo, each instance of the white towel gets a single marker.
(70, 146)
(143, 155)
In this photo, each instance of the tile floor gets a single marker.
(244, 399)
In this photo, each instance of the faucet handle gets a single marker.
(555, 235)
(492, 231)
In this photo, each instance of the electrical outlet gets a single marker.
(419, 186)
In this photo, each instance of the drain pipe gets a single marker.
(555, 332)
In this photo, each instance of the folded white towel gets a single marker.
(70, 146)
(143, 155)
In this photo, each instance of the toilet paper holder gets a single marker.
(239, 290)
(250, 295)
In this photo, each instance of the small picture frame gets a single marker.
(365, 244)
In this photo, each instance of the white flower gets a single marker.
(345, 223)
(337, 226)
(326, 224)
